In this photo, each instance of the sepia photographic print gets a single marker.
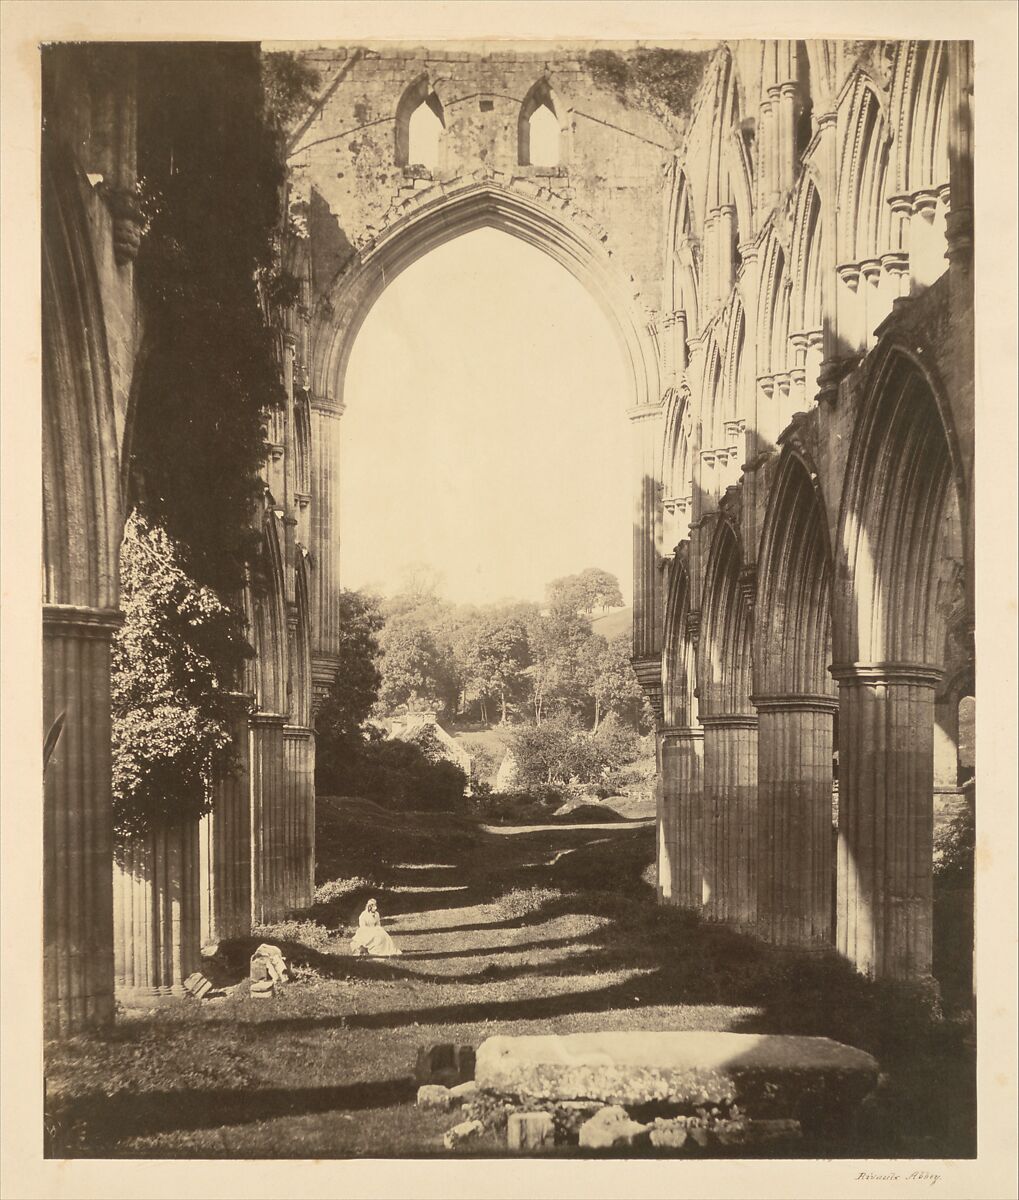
(509, 602)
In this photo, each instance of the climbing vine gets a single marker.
(173, 661)
(212, 174)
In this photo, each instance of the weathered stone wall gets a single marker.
(613, 158)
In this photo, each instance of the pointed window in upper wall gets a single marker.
(420, 122)
(539, 130)
(423, 133)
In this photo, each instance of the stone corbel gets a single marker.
(648, 670)
(693, 626)
(128, 221)
(870, 269)
(895, 264)
(925, 201)
(849, 273)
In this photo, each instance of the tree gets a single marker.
(343, 712)
(493, 650)
(556, 751)
(556, 640)
(417, 665)
(172, 666)
(582, 593)
(616, 689)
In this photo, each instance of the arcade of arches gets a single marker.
(787, 265)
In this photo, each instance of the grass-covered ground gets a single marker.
(501, 932)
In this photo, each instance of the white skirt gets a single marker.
(374, 940)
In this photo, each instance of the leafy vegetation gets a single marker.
(212, 192)
(172, 663)
(208, 279)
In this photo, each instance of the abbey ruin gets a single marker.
(783, 242)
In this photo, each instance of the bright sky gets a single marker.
(484, 431)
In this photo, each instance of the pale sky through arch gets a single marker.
(485, 430)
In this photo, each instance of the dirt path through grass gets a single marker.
(547, 930)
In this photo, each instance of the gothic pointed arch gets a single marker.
(735, 405)
(864, 164)
(900, 482)
(270, 623)
(796, 704)
(919, 103)
(725, 658)
(460, 206)
(82, 516)
(685, 254)
(420, 92)
(773, 310)
(712, 396)
(678, 660)
(300, 663)
(793, 609)
(807, 255)
(540, 96)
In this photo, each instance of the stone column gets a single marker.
(157, 911)
(225, 847)
(325, 540)
(709, 271)
(774, 164)
(730, 818)
(268, 815)
(886, 776)
(726, 233)
(680, 817)
(960, 154)
(78, 823)
(794, 840)
(299, 785)
(646, 425)
(787, 108)
(765, 190)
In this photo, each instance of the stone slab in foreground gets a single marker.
(765, 1074)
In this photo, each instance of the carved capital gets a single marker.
(884, 673)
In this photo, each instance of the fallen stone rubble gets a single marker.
(664, 1092)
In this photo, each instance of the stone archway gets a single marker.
(889, 638)
(796, 704)
(730, 736)
(680, 808)
(435, 216)
(82, 522)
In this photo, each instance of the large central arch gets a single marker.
(458, 208)
(433, 217)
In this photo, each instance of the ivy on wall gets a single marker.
(211, 160)
(658, 79)
(212, 163)
(172, 664)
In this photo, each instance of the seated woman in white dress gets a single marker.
(371, 938)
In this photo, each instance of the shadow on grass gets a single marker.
(651, 957)
(111, 1119)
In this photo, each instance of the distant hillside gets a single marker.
(613, 623)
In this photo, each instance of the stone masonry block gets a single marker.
(529, 1131)
(767, 1075)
